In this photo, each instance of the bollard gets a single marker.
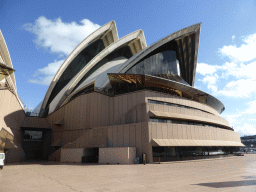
(159, 160)
(144, 159)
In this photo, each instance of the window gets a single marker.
(33, 135)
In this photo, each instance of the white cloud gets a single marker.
(45, 75)
(241, 116)
(233, 118)
(243, 78)
(235, 79)
(246, 129)
(211, 80)
(244, 84)
(240, 70)
(252, 107)
(209, 71)
(246, 52)
(248, 70)
(60, 37)
(240, 88)
(213, 88)
(206, 69)
(233, 37)
(230, 68)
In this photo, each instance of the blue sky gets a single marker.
(41, 34)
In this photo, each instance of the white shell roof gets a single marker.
(119, 65)
(109, 26)
(65, 94)
(6, 60)
(176, 35)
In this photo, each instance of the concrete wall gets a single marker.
(96, 120)
(179, 100)
(35, 122)
(94, 110)
(120, 155)
(190, 132)
(71, 155)
(188, 112)
(130, 135)
(12, 116)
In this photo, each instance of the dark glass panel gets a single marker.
(160, 63)
(33, 135)
(122, 51)
(76, 65)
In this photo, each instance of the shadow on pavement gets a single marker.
(229, 184)
(43, 162)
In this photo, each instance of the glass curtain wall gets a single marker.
(163, 154)
(124, 51)
(83, 58)
(159, 63)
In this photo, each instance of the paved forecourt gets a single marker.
(235, 173)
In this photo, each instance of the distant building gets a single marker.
(249, 141)
(113, 100)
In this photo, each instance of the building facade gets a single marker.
(11, 109)
(250, 143)
(121, 95)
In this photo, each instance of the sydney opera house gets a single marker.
(114, 99)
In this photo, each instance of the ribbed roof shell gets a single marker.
(102, 31)
(5, 59)
(187, 41)
(63, 97)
